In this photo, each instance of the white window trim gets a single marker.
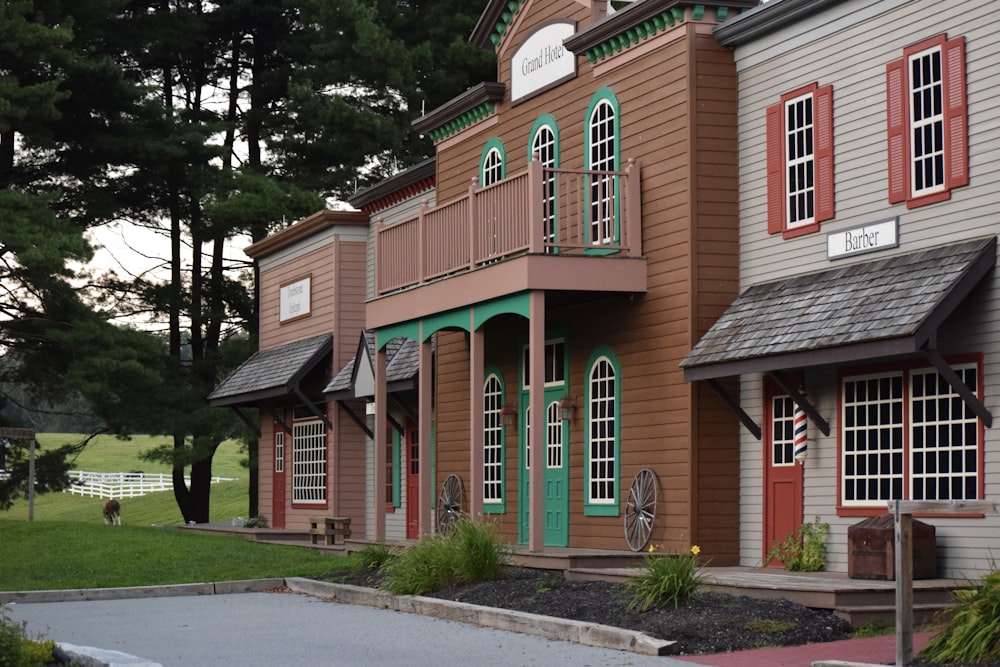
(935, 119)
(609, 441)
(493, 492)
(806, 161)
(309, 462)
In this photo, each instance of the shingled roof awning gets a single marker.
(882, 308)
(271, 373)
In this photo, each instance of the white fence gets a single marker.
(123, 484)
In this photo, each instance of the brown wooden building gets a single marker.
(584, 237)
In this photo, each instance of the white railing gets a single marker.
(122, 484)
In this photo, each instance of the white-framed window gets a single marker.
(799, 141)
(602, 426)
(492, 440)
(493, 168)
(279, 451)
(543, 144)
(800, 183)
(782, 431)
(603, 156)
(554, 437)
(309, 462)
(555, 364)
(907, 434)
(927, 121)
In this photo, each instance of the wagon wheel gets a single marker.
(449, 503)
(640, 509)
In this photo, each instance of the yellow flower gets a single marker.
(696, 550)
(652, 548)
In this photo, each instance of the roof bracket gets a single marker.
(960, 388)
(313, 408)
(252, 423)
(280, 422)
(355, 418)
(734, 405)
(801, 401)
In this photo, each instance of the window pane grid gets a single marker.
(492, 167)
(544, 146)
(602, 158)
(279, 451)
(944, 439)
(492, 441)
(554, 437)
(800, 186)
(602, 418)
(927, 122)
(873, 439)
(782, 431)
(309, 462)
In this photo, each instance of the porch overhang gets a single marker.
(890, 307)
(271, 374)
(545, 272)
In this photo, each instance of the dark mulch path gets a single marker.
(709, 623)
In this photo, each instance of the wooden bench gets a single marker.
(332, 528)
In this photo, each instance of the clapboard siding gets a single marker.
(835, 47)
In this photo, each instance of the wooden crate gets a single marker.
(871, 549)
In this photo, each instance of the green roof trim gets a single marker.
(506, 18)
(648, 28)
(463, 121)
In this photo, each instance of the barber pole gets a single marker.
(801, 445)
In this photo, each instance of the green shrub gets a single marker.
(11, 642)
(666, 578)
(256, 522)
(804, 550)
(972, 634)
(469, 553)
(374, 556)
(17, 649)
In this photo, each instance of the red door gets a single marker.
(412, 481)
(782, 474)
(278, 481)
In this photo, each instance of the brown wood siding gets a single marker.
(320, 265)
(678, 119)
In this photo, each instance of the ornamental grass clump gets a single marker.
(667, 578)
(972, 635)
(470, 553)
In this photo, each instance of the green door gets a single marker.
(556, 476)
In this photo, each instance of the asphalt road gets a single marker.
(292, 629)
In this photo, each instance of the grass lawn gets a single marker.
(50, 555)
(68, 546)
(108, 454)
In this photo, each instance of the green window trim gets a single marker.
(492, 144)
(612, 506)
(545, 120)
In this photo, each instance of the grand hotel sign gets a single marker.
(542, 61)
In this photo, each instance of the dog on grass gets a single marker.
(112, 512)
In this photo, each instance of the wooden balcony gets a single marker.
(538, 229)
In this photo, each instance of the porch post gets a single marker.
(426, 473)
(380, 433)
(536, 403)
(476, 369)
(536, 206)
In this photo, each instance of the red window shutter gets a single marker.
(956, 138)
(823, 128)
(898, 131)
(775, 170)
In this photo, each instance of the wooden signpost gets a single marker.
(903, 511)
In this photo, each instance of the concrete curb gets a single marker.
(549, 627)
(169, 590)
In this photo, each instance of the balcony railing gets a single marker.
(537, 211)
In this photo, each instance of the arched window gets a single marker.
(602, 155)
(492, 443)
(492, 167)
(545, 144)
(602, 434)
